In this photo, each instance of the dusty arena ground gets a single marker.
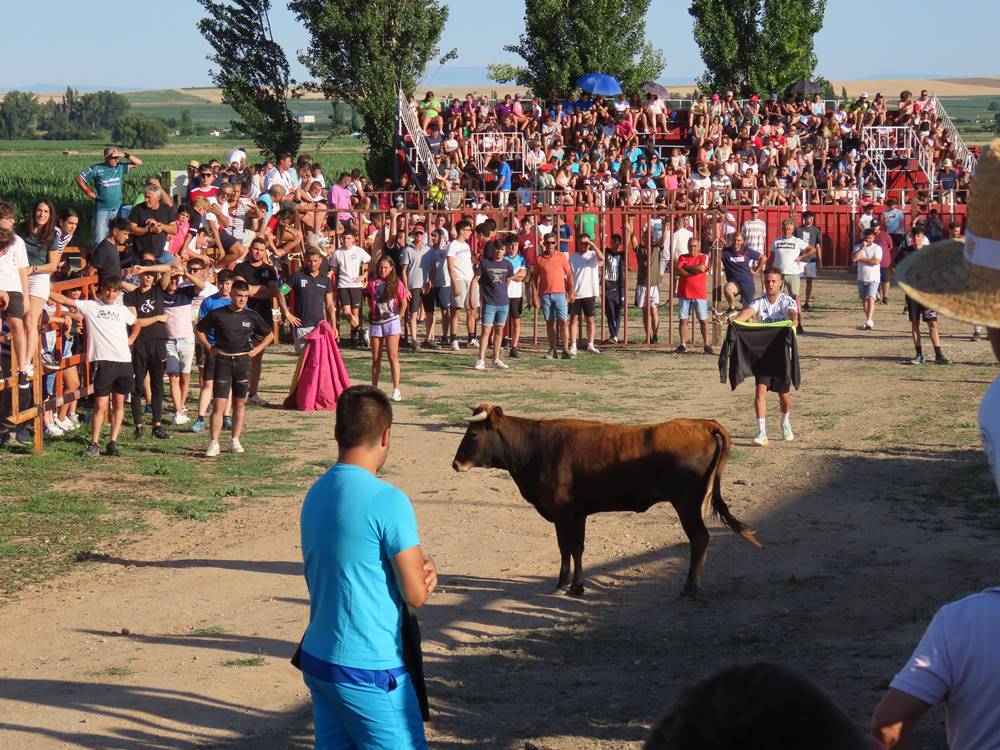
(880, 511)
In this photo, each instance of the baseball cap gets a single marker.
(755, 98)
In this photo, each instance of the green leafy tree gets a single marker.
(18, 115)
(100, 110)
(564, 40)
(140, 131)
(253, 72)
(756, 46)
(342, 114)
(365, 54)
(186, 125)
(994, 106)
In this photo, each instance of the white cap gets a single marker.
(864, 94)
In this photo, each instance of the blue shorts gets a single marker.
(700, 308)
(867, 290)
(495, 315)
(444, 297)
(554, 307)
(352, 716)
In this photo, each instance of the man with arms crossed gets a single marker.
(313, 299)
(788, 253)
(555, 293)
(772, 306)
(460, 273)
(868, 256)
(363, 564)
(234, 326)
(350, 264)
(109, 356)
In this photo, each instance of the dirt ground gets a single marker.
(879, 512)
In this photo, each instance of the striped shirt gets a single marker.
(755, 233)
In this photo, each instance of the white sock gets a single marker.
(760, 425)
(784, 419)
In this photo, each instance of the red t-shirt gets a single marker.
(692, 287)
(552, 270)
(884, 240)
(529, 249)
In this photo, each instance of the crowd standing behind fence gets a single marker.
(639, 202)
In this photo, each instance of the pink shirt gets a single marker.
(340, 198)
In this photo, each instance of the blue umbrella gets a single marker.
(599, 84)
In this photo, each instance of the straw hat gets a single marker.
(962, 279)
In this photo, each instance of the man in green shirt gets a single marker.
(107, 177)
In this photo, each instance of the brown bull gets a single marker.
(571, 468)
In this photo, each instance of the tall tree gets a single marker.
(364, 53)
(756, 46)
(253, 72)
(18, 115)
(563, 40)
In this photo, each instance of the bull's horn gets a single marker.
(480, 417)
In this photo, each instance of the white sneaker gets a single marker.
(396, 395)
(234, 445)
(499, 364)
(367, 339)
(454, 345)
(213, 449)
(180, 418)
(480, 365)
(786, 433)
(64, 424)
(473, 342)
(53, 431)
(74, 419)
(593, 349)
(761, 439)
(256, 400)
(871, 325)
(572, 348)
(614, 339)
(28, 369)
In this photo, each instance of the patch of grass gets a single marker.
(209, 630)
(114, 672)
(253, 661)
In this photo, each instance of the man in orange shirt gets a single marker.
(555, 292)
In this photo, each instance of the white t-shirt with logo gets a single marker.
(869, 273)
(14, 259)
(586, 274)
(347, 263)
(786, 251)
(107, 330)
(766, 311)
(462, 254)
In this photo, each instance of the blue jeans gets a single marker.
(554, 307)
(103, 217)
(366, 717)
(494, 315)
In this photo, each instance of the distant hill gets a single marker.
(52, 88)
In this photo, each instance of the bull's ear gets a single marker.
(496, 413)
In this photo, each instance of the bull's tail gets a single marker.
(713, 488)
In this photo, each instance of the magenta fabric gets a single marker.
(322, 376)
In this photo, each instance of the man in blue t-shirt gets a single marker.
(503, 175)
(363, 564)
(107, 177)
(740, 263)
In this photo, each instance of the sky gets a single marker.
(157, 45)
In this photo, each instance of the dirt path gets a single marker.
(880, 511)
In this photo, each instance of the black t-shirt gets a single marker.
(152, 241)
(148, 304)
(105, 260)
(234, 331)
(395, 253)
(261, 275)
(310, 296)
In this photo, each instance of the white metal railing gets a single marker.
(966, 159)
(417, 135)
(485, 146)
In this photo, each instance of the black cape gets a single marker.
(762, 350)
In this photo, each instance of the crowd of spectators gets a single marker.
(587, 151)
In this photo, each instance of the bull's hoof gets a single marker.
(561, 588)
(575, 590)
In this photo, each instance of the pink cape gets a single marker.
(321, 375)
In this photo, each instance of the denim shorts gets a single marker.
(700, 307)
(867, 289)
(554, 307)
(495, 315)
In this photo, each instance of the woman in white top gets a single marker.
(43, 258)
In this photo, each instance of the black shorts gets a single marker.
(209, 367)
(884, 274)
(200, 355)
(349, 296)
(232, 374)
(775, 385)
(515, 308)
(427, 300)
(583, 305)
(915, 312)
(112, 377)
(15, 305)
